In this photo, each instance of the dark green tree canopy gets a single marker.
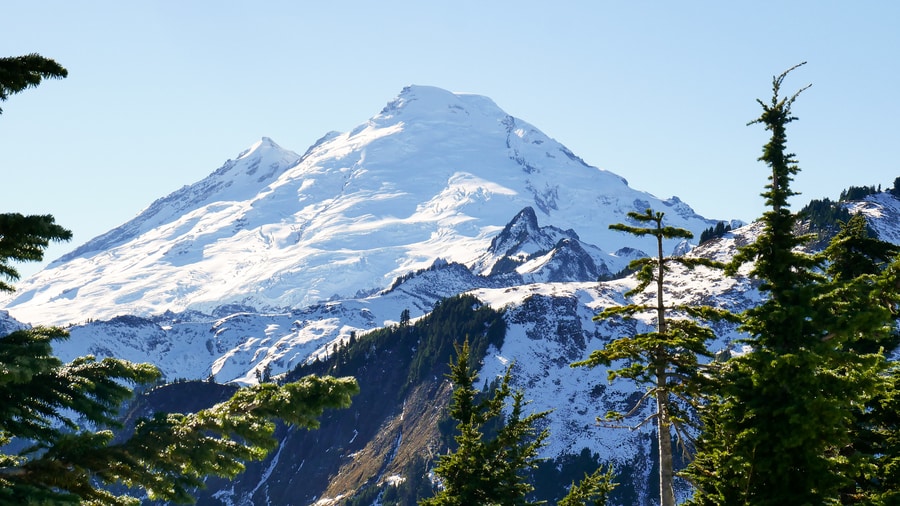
(853, 252)
(715, 232)
(64, 417)
(857, 192)
(18, 73)
(782, 423)
(487, 469)
(895, 189)
(24, 239)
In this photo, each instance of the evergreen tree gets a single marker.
(864, 264)
(486, 469)
(665, 360)
(853, 252)
(877, 443)
(895, 189)
(593, 489)
(715, 232)
(63, 415)
(857, 193)
(783, 411)
(824, 216)
(404, 318)
(24, 239)
(554, 480)
(18, 73)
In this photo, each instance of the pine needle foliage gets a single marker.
(594, 489)
(64, 415)
(18, 73)
(866, 265)
(24, 239)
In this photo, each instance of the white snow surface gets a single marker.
(882, 212)
(434, 175)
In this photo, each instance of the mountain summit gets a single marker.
(435, 176)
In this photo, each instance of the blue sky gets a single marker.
(159, 94)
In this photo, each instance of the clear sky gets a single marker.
(161, 93)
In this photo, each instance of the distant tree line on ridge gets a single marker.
(714, 232)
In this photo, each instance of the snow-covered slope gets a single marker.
(550, 325)
(234, 343)
(434, 175)
(882, 212)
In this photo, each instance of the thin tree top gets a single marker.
(775, 117)
(782, 106)
(776, 260)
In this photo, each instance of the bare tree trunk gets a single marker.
(664, 438)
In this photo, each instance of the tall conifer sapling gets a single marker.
(784, 410)
(665, 360)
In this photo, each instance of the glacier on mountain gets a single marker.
(434, 175)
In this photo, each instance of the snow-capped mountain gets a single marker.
(434, 176)
(276, 257)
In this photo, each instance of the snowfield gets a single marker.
(433, 175)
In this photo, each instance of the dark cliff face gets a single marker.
(570, 262)
(523, 227)
(564, 256)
